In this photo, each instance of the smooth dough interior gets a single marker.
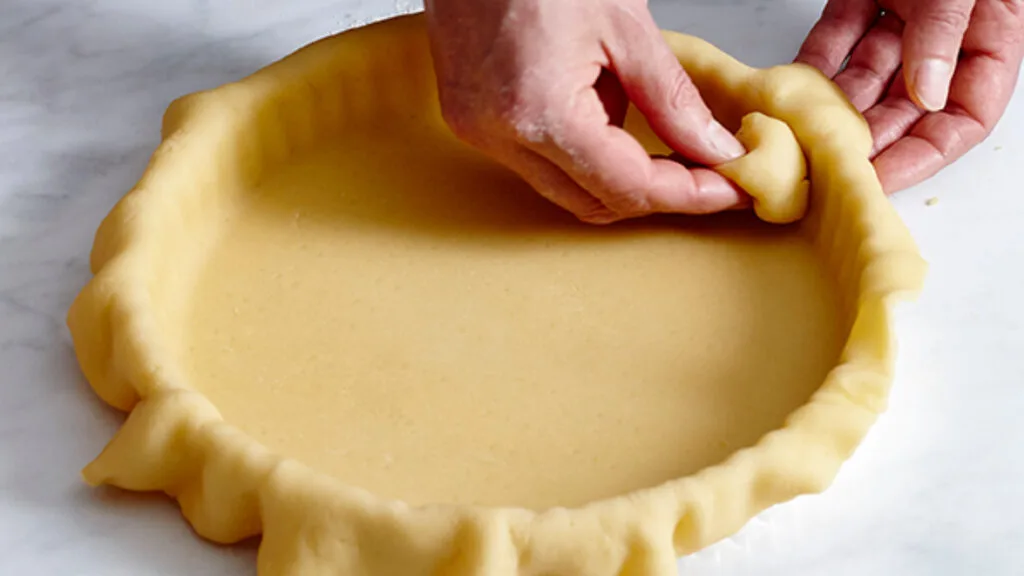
(412, 319)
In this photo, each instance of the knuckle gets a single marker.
(1010, 36)
(680, 91)
(866, 73)
(947, 17)
(530, 118)
(1015, 7)
(702, 203)
(625, 189)
(629, 204)
(527, 128)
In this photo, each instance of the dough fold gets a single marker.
(773, 172)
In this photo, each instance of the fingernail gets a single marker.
(931, 83)
(724, 142)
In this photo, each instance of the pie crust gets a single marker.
(805, 140)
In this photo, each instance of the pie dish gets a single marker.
(334, 325)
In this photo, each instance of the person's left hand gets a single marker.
(932, 77)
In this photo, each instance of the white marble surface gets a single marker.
(935, 490)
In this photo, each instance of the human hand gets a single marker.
(932, 77)
(544, 86)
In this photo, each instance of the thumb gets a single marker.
(932, 38)
(662, 91)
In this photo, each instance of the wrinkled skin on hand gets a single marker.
(543, 87)
(932, 77)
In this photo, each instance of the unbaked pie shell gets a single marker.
(231, 487)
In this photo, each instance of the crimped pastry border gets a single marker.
(230, 487)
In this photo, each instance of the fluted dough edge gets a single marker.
(230, 487)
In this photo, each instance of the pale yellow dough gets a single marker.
(335, 325)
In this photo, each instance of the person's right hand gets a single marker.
(543, 87)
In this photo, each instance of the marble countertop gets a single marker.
(934, 490)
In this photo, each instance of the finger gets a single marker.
(610, 164)
(707, 179)
(841, 26)
(873, 63)
(931, 46)
(713, 184)
(980, 92)
(656, 83)
(892, 117)
(936, 141)
(553, 183)
(711, 191)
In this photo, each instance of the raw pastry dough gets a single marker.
(433, 345)
(336, 326)
(774, 171)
